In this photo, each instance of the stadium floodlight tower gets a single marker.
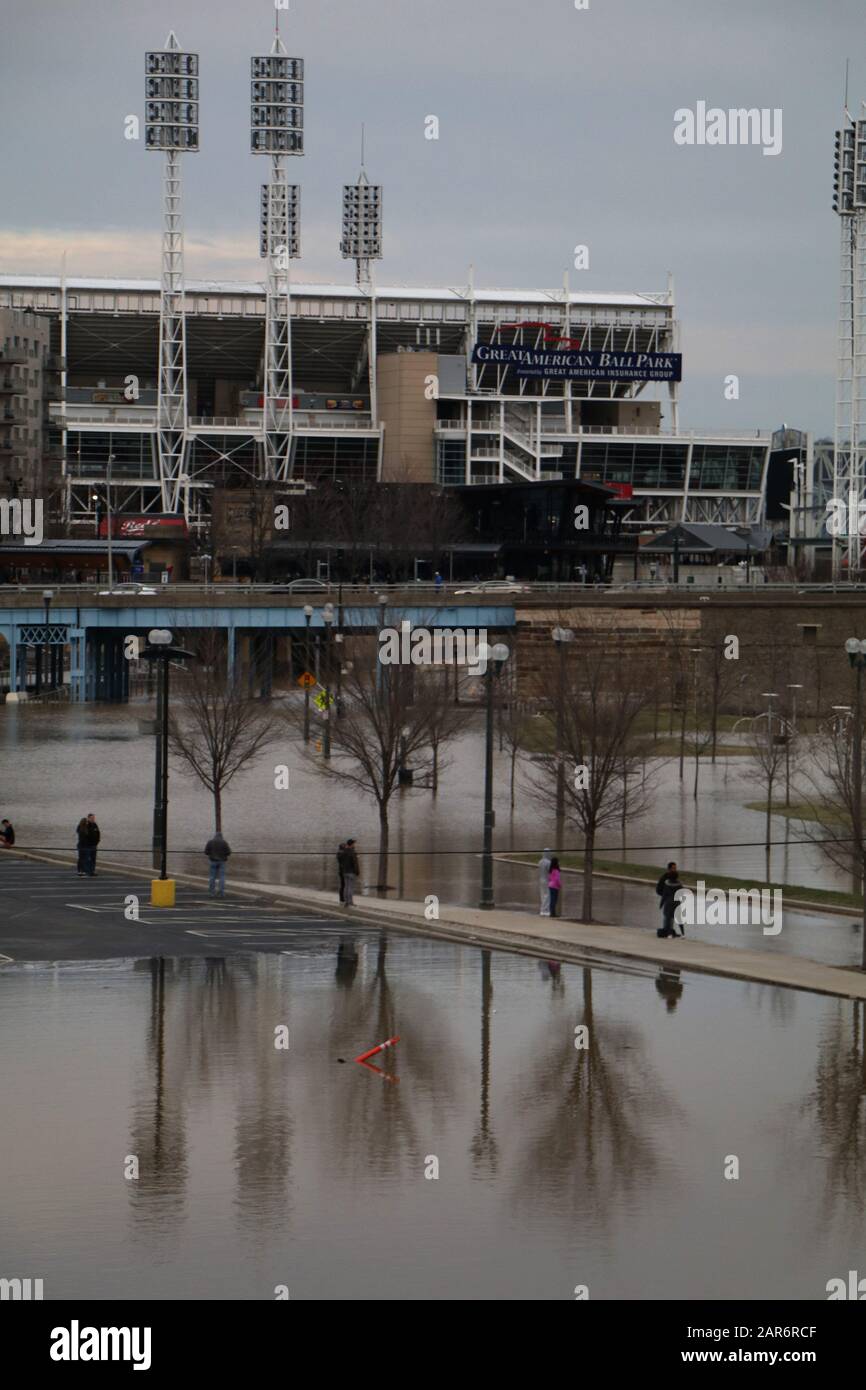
(849, 449)
(277, 129)
(362, 224)
(171, 126)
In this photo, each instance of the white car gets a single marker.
(497, 586)
(129, 590)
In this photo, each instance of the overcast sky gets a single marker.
(556, 129)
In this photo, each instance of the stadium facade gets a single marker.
(452, 387)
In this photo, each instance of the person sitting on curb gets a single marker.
(217, 851)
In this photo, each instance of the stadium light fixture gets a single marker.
(277, 104)
(280, 221)
(171, 100)
(361, 241)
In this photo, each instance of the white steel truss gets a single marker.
(849, 472)
(849, 453)
(277, 396)
(280, 242)
(172, 396)
(171, 408)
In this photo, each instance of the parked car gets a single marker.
(307, 586)
(129, 589)
(497, 586)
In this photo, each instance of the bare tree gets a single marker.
(602, 701)
(446, 722)
(391, 717)
(835, 812)
(513, 715)
(219, 728)
(767, 753)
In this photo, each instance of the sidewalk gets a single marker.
(548, 938)
(559, 939)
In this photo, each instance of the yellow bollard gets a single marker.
(162, 892)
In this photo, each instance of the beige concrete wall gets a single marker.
(640, 414)
(409, 418)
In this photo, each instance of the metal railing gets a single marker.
(557, 425)
(143, 417)
(177, 592)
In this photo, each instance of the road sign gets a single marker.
(323, 700)
(306, 680)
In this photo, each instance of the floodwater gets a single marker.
(262, 1168)
(57, 763)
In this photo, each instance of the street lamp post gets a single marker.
(495, 658)
(561, 636)
(769, 696)
(792, 730)
(856, 651)
(160, 647)
(381, 671)
(47, 596)
(696, 651)
(308, 614)
(328, 619)
(338, 638)
(108, 522)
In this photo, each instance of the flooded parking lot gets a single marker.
(558, 1165)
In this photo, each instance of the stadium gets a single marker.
(384, 386)
(132, 400)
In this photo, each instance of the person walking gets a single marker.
(341, 849)
(555, 885)
(667, 889)
(7, 834)
(544, 883)
(88, 838)
(350, 869)
(217, 851)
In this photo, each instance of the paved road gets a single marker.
(48, 913)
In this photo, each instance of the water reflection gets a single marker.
(600, 1163)
(836, 1111)
(598, 1104)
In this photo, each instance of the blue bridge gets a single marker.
(86, 638)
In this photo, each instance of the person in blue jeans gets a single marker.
(217, 851)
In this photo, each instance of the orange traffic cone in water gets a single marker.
(379, 1048)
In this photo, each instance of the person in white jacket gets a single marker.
(543, 883)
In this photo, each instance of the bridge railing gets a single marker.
(177, 593)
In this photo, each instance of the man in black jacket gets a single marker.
(217, 850)
(667, 888)
(88, 839)
(347, 860)
(7, 834)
